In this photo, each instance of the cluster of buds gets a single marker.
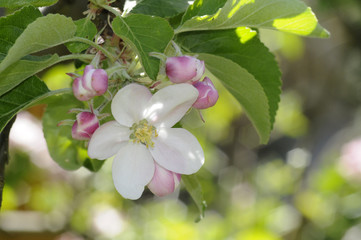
(94, 82)
(187, 69)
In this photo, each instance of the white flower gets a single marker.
(142, 135)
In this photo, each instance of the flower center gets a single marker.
(143, 132)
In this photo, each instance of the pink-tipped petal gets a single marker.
(85, 125)
(80, 92)
(133, 168)
(177, 150)
(208, 94)
(78, 134)
(87, 80)
(200, 69)
(100, 81)
(107, 140)
(163, 181)
(129, 103)
(168, 105)
(184, 69)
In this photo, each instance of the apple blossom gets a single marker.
(184, 69)
(208, 94)
(164, 181)
(141, 136)
(85, 125)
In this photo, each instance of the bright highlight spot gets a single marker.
(302, 24)
(245, 34)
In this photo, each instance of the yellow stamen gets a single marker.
(143, 133)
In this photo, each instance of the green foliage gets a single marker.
(243, 47)
(291, 16)
(245, 88)
(161, 8)
(23, 69)
(21, 3)
(201, 8)
(85, 29)
(139, 31)
(67, 152)
(13, 25)
(219, 31)
(24, 95)
(43, 33)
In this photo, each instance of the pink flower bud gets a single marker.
(80, 92)
(184, 69)
(95, 80)
(164, 181)
(208, 94)
(85, 125)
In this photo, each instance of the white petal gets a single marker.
(168, 105)
(107, 139)
(133, 168)
(129, 103)
(177, 150)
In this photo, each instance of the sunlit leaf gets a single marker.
(85, 29)
(21, 3)
(194, 188)
(27, 93)
(291, 16)
(201, 8)
(43, 33)
(145, 34)
(245, 88)
(161, 8)
(243, 47)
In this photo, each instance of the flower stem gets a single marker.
(112, 10)
(93, 44)
(87, 57)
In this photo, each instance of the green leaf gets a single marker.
(201, 8)
(24, 95)
(161, 8)
(70, 154)
(85, 29)
(291, 16)
(21, 70)
(194, 188)
(145, 34)
(13, 25)
(245, 88)
(43, 33)
(21, 3)
(243, 47)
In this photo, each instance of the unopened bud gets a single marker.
(208, 94)
(80, 92)
(85, 125)
(164, 181)
(95, 80)
(184, 69)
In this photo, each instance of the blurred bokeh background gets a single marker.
(304, 185)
